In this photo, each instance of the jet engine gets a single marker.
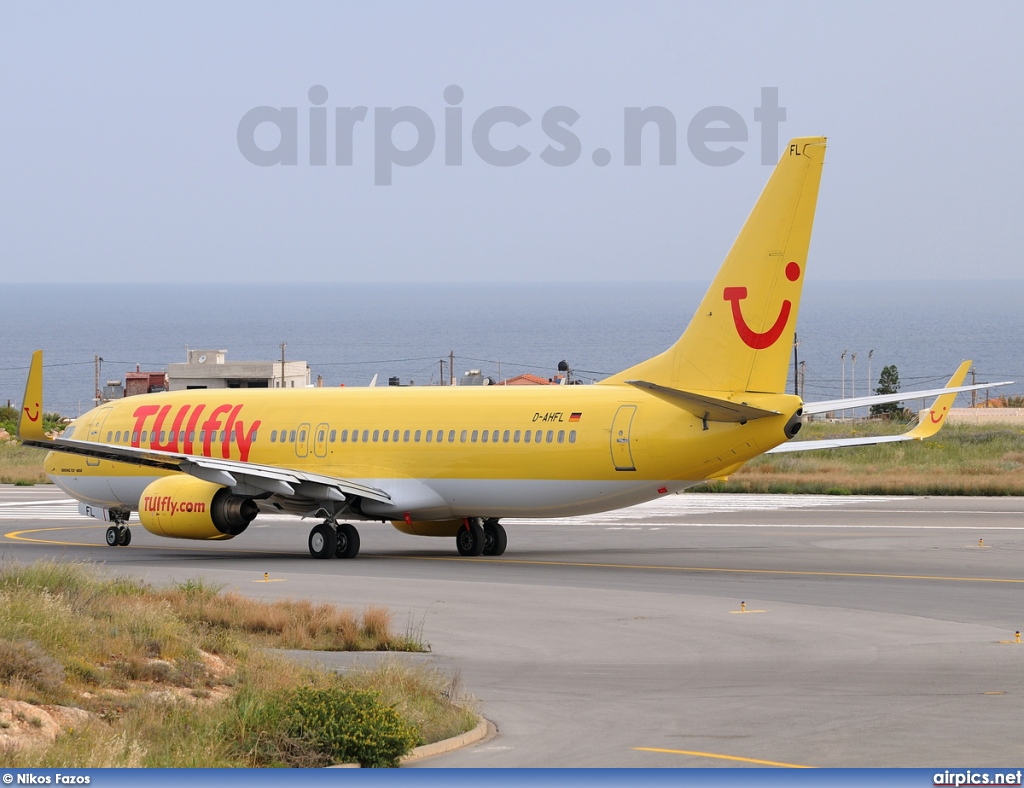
(183, 507)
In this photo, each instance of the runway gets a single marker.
(873, 631)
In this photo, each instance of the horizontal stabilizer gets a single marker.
(704, 407)
(825, 406)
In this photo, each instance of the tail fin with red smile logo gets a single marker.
(741, 338)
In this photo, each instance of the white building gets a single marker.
(210, 369)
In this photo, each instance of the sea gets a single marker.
(349, 333)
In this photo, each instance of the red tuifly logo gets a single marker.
(759, 340)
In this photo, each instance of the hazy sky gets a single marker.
(121, 124)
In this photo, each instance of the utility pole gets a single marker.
(441, 378)
(97, 361)
(283, 346)
(796, 364)
(803, 379)
(842, 361)
(853, 378)
(870, 354)
(451, 365)
(974, 394)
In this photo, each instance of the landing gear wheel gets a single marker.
(323, 541)
(113, 536)
(348, 541)
(125, 537)
(495, 538)
(470, 539)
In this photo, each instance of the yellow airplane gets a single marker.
(453, 461)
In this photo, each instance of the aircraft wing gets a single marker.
(924, 429)
(252, 478)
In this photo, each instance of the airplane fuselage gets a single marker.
(439, 452)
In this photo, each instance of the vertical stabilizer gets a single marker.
(741, 337)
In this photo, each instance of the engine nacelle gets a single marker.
(183, 507)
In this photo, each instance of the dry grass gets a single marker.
(289, 624)
(960, 460)
(179, 677)
(21, 464)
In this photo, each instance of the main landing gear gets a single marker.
(333, 540)
(118, 536)
(478, 536)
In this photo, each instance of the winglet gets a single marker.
(937, 413)
(30, 420)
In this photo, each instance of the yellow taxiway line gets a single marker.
(720, 757)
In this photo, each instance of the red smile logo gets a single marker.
(30, 416)
(754, 339)
(936, 418)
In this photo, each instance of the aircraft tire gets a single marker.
(495, 538)
(113, 536)
(348, 541)
(323, 541)
(469, 541)
(124, 538)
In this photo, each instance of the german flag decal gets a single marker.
(575, 416)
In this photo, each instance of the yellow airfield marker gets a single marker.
(266, 579)
(1016, 638)
(743, 609)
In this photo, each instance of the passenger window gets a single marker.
(252, 437)
(231, 436)
(429, 434)
(394, 436)
(135, 437)
(320, 436)
(572, 436)
(376, 435)
(344, 436)
(163, 438)
(472, 438)
(526, 436)
(494, 437)
(386, 433)
(144, 434)
(355, 436)
(561, 436)
(405, 438)
(302, 436)
(483, 437)
(462, 437)
(451, 436)
(416, 437)
(110, 437)
(504, 437)
(117, 437)
(334, 436)
(202, 436)
(213, 437)
(515, 437)
(537, 437)
(366, 436)
(181, 436)
(291, 437)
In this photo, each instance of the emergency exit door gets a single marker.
(622, 455)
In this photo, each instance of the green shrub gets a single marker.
(350, 726)
(26, 661)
